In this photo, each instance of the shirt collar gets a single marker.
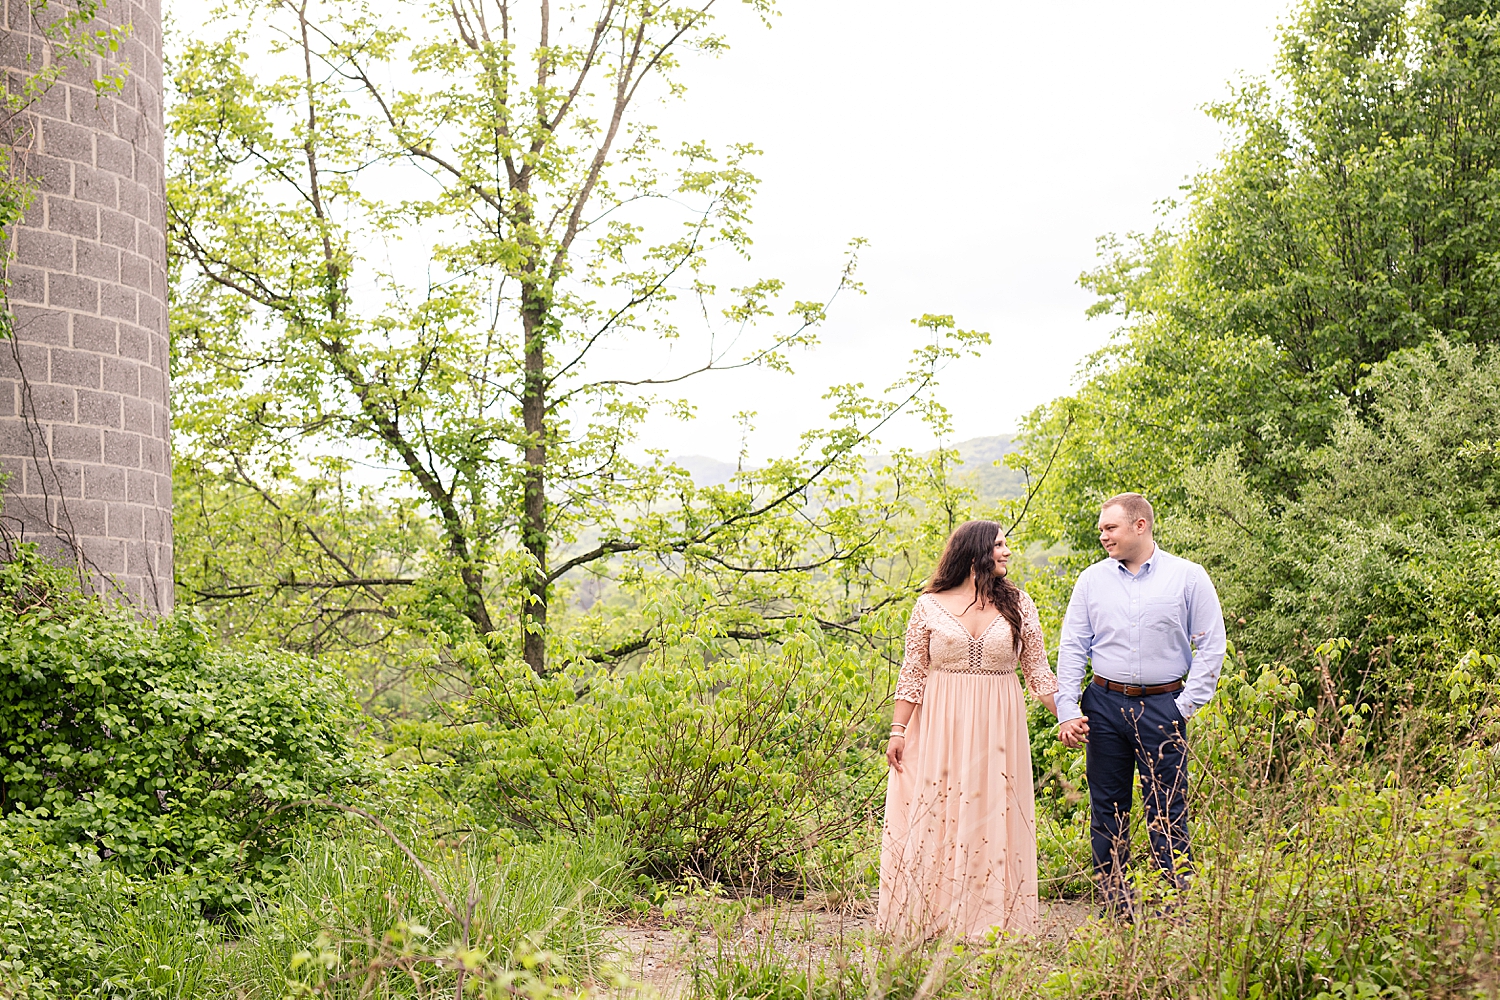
(1156, 556)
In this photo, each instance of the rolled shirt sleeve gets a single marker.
(1074, 647)
(1206, 632)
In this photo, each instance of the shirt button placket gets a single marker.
(1135, 607)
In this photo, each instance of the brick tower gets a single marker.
(84, 394)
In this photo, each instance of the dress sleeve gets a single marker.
(1039, 678)
(913, 676)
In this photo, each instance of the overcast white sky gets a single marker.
(981, 147)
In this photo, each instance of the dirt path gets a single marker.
(663, 954)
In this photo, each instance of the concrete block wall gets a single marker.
(84, 382)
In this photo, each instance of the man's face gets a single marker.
(1122, 538)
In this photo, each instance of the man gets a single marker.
(1144, 618)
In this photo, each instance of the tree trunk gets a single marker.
(534, 316)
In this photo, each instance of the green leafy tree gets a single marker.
(1304, 380)
(429, 248)
(1390, 549)
(1352, 215)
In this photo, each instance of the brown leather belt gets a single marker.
(1136, 690)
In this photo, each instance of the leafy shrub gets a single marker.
(1325, 870)
(1390, 549)
(48, 941)
(729, 770)
(72, 925)
(145, 744)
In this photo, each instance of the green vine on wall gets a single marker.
(68, 37)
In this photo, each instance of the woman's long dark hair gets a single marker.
(971, 548)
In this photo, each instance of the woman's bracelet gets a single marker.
(898, 724)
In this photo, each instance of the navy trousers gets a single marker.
(1129, 735)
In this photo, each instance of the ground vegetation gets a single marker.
(401, 742)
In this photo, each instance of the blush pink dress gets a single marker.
(958, 852)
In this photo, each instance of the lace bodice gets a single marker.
(936, 640)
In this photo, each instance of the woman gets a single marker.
(959, 848)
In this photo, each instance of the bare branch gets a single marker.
(610, 548)
(1032, 491)
(250, 589)
(712, 365)
(624, 94)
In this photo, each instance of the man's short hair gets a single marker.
(1135, 507)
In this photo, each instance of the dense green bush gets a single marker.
(147, 745)
(729, 769)
(1350, 216)
(48, 941)
(1390, 550)
(1327, 869)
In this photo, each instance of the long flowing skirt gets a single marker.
(958, 853)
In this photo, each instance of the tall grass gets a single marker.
(1342, 852)
(158, 944)
(360, 912)
(357, 917)
(1329, 866)
(1338, 857)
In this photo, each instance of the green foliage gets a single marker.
(72, 925)
(1064, 854)
(355, 914)
(732, 769)
(1390, 549)
(156, 943)
(48, 942)
(560, 243)
(143, 742)
(268, 568)
(1306, 385)
(763, 965)
(1353, 216)
(1323, 872)
(607, 677)
(352, 913)
(1305, 382)
(767, 976)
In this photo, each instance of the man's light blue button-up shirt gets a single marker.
(1150, 628)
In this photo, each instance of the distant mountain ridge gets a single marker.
(979, 472)
(990, 481)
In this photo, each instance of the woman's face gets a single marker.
(1002, 555)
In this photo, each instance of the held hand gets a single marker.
(1074, 732)
(894, 751)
